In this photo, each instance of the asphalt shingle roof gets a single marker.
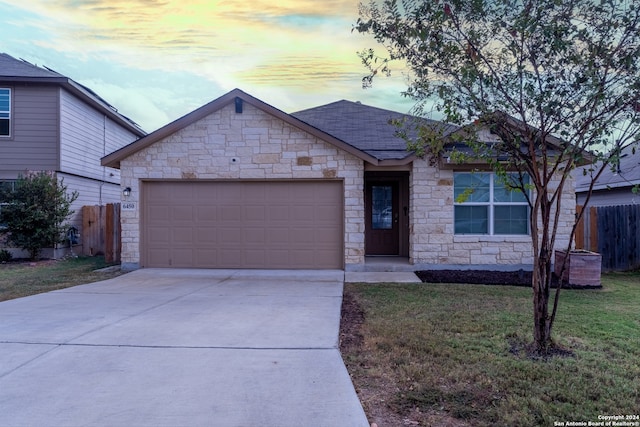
(11, 67)
(364, 127)
(627, 174)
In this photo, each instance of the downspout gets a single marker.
(104, 153)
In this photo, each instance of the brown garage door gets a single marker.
(246, 224)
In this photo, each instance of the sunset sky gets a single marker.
(156, 60)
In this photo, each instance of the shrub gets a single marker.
(34, 212)
(5, 256)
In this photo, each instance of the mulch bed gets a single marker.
(488, 277)
(478, 277)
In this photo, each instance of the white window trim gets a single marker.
(490, 204)
(10, 118)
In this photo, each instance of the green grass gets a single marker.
(457, 351)
(23, 279)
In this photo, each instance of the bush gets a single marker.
(34, 212)
(5, 256)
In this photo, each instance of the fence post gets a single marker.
(593, 229)
(112, 232)
(580, 229)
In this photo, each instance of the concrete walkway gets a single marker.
(175, 347)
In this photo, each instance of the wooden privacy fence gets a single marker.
(612, 231)
(101, 231)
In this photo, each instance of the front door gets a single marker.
(382, 224)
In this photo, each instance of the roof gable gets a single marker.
(113, 159)
(486, 132)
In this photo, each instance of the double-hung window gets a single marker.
(5, 112)
(484, 204)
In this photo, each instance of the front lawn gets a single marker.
(28, 278)
(454, 355)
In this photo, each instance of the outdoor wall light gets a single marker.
(126, 192)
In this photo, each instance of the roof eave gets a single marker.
(398, 162)
(77, 90)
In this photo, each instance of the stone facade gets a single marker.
(432, 240)
(234, 146)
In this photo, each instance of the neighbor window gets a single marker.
(483, 204)
(5, 112)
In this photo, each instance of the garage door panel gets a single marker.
(303, 213)
(160, 213)
(278, 236)
(280, 224)
(159, 236)
(230, 257)
(254, 236)
(161, 255)
(255, 193)
(230, 212)
(182, 257)
(206, 214)
(301, 236)
(182, 213)
(205, 235)
(182, 236)
(254, 258)
(322, 236)
(279, 213)
(228, 236)
(254, 213)
(204, 256)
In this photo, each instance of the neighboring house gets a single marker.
(614, 187)
(238, 183)
(611, 222)
(49, 122)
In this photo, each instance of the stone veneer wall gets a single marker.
(250, 145)
(432, 240)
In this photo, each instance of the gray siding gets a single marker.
(34, 141)
(612, 197)
(87, 136)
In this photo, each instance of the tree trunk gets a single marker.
(541, 282)
(541, 320)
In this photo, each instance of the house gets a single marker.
(615, 185)
(239, 183)
(611, 220)
(48, 122)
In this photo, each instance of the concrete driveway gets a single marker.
(161, 347)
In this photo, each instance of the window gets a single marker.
(381, 207)
(5, 112)
(483, 204)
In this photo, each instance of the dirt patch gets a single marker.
(526, 350)
(21, 262)
(351, 319)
